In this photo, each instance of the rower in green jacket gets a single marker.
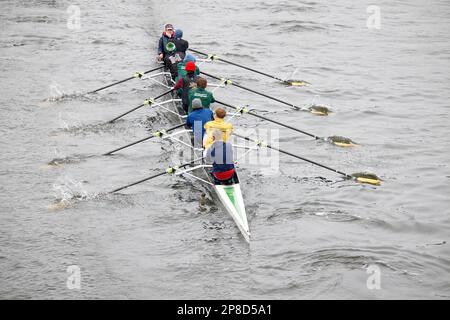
(201, 93)
(182, 66)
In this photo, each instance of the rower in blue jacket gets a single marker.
(197, 120)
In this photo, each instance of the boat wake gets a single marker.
(78, 96)
(69, 197)
(65, 97)
(312, 180)
(79, 129)
(75, 159)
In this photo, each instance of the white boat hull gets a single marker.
(232, 200)
(230, 196)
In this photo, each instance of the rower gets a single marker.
(197, 120)
(176, 53)
(201, 93)
(186, 83)
(219, 123)
(166, 37)
(181, 44)
(182, 66)
(220, 155)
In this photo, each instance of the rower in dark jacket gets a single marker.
(181, 44)
(175, 53)
(167, 37)
(186, 83)
(220, 155)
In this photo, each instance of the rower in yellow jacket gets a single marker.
(217, 123)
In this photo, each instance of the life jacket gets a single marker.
(166, 40)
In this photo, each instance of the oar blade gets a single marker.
(368, 178)
(341, 141)
(296, 83)
(319, 110)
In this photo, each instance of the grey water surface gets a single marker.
(313, 234)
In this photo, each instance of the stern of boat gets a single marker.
(231, 198)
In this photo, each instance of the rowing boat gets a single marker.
(228, 196)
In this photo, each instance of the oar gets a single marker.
(159, 133)
(369, 178)
(135, 75)
(323, 111)
(146, 102)
(213, 57)
(336, 140)
(170, 170)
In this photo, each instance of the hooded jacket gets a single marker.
(181, 44)
(163, 42)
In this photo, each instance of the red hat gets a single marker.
(190, 66)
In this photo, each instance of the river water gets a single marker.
(313, 234)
